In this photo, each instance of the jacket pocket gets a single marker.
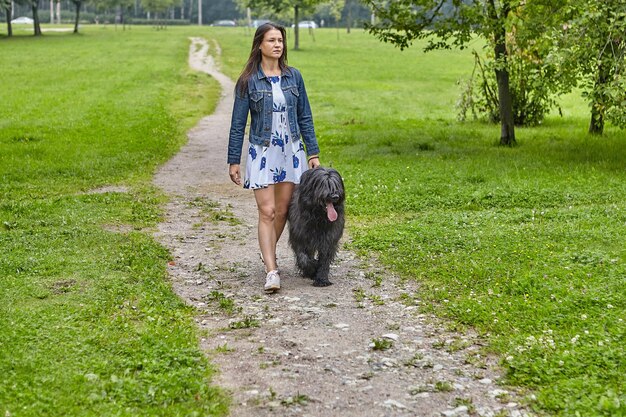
(256, 101)
(293, 90)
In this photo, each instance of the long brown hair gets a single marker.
(254, 60)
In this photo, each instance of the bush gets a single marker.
(67, 16)
(532, 83)
(160, 22)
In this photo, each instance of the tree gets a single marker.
(331, 11)
(6, 5)
(77, 4)
(158, 7)
(298, 6)
(34, 6)
(452, 23)
(536, 78)
(593, 39)
(348, 9)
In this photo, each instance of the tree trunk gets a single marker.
(78, 3)
(596, 125)
(36, 25)
(51, 11)
(349, 16)
(296, 29)
(9, 27)
(505, 103)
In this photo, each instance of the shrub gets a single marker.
(533, 88)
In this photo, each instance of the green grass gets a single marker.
(89, 324)
(526, 245)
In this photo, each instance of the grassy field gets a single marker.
(89, 324)
(525, 244)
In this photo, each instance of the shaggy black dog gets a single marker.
(316, 221)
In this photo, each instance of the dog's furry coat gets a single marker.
(316, 222)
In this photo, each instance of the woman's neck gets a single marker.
(270, 67)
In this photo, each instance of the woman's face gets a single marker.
(272, 45)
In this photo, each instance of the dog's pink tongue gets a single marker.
(331, 212)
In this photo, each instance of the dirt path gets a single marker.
(357, 348)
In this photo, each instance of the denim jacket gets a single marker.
(258, 101)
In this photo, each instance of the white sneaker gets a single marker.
(272, 281)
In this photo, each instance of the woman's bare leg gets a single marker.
(273, 205)
(266, 205)
(282, 198)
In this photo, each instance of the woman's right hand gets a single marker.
(235, 173)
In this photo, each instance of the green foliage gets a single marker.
(280, 8)
(453, 24)
(88, 321)
(550, 45)
(593, 41)
(246, 323)
(443, 24)
(534, 83)
(382, 344)
(332, 9)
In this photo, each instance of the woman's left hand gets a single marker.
(314, 162)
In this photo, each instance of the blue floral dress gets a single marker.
(285, 159)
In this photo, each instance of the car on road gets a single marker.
(22, 20)
(226, 23)
(306, 24)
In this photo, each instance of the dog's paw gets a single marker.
(325, 283)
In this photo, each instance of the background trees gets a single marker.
(447, 24)
(592, 40)
(277, 6)
(33, 5)
(536, 50)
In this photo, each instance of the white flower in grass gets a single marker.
(575, 339)
(609, 306)
(531, 340)
(561, 363)
(600, 343)
(583, 317)
(509, 358)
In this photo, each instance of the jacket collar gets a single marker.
(260, 75)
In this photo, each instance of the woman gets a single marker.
(274, 95)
